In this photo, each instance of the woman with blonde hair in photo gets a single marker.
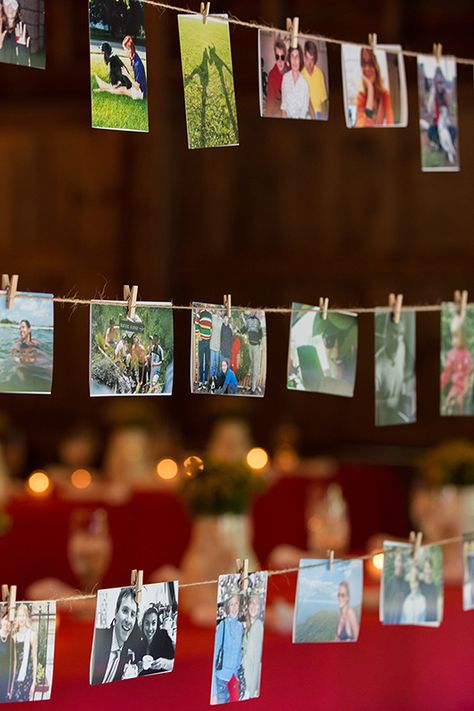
(252, 646)
(374, 106)
(25, 656)
(347, 626)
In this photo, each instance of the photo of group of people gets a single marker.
(27, 651)
(374, 83)
(457, 357)
(118, 65)
(134, 639)
(237, 659)
(438, 110)
(131, 356)
(322, 353)
(411, 591)
(395, 378)
(22, 33)
(328, 604)
(293, 81)
(228, 355)
(468, 582)
(26, 343)
(209, 94)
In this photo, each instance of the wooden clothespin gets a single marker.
(9, 597)
(243, 571)
(415, 540)
(10, 286)
(292, 26)
(373, 41)
(137, 583)
(323, 306)
(205, 7)
(130, 295)
(460, 299)
(438, 51)
(228, 304)
(330, 559)
(395, 303)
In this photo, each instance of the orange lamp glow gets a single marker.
(81, 478)
(38, 483)
(167, 468)
(257, 458)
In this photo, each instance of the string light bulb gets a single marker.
(38, 483)
(192, 465)
(81, 478)
(167, 468)
(257, 458)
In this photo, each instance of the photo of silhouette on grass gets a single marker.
(209, 95)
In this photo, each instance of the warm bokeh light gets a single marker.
(377, 561)
(167, 468)
(81, 478)
(192, 465)
(38, 482)
(257, 458)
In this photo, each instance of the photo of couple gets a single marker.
(293, 81)
(22, 32)
(237, 659)
(27, 651)
(228, 355)
(131, 356)
(328, 601)
(411, 591)
(134, 639)
(374, 83)
(457, 351)
(118, 65)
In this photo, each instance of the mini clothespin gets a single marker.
(460, 299)
(323, 306)
(10, 286)
(395, 303)
(137, 583)
(243, 571)
(415, 540)
(438, 51)
(130, 295)
(228, 304)
(9, 597)
(205, 7)
(373, 41)
(330, 559)
(292, 26)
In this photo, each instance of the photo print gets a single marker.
(457, 351)
(438, 112)
(131, 356)
(134, 639)
(228, 356)
(322, 355)
(237, 659)
(118, 65)
(22, 33)
(27, 651)
(293, 82)
(411, 590)
(374, 84)
(26, 343)
(468, 582)
(328, 604)
(209, 95)
(395, 379)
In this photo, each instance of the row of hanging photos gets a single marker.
(135, 626)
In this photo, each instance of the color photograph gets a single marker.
(438, 112)
(131, 356)
(374, 84)
(328, 603)
(293, 82)
(322, 355)
(22, 33)
(395, 378)
(209, 95)
(134, 639)
(237, 659)
(468, 582)
(118, 65)
(228, 355)
(26, 343)
(457, 350)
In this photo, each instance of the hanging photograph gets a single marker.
(293, 82)
(118, 65)
(395, 379)
(374, 84)
(228, 355)
(134, 639)
(457, 352)
(209, 96)
(328, 604)
(27, 651)
(468, 582)
(411, 590)
(237, 659)
(438, 112)
(26, 343)
(322, 355)
(131, 356)
(22, 33)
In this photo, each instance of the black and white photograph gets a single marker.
(237, 658)
(134, 639)
(468, 582)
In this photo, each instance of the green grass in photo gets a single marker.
(211, 112)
